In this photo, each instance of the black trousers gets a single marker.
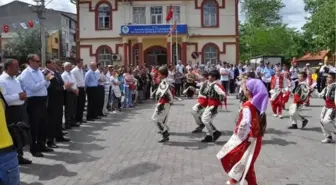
(225, 84)
(55, 119)
(14, 114)
(91, 93)
(70, 108)
(232, 86)
(37, 113)
(100, 98)
(178, 90)
(80, 104)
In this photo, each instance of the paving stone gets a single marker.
(122, 149)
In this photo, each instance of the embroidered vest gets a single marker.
(255, 121)
(274, 80)
(212, 94)
(301, 93)
(329, 96)
(204, 89)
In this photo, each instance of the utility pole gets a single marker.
(40, 9)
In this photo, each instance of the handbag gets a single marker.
(20, 131)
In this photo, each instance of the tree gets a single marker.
(26, 42)
(262, 12)
(263, 32)
(320, 28)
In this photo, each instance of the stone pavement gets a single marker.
(123, 150)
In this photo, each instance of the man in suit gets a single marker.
(55, 105)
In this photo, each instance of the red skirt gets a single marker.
(237, 153)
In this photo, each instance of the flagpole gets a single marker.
(176, 44)
(171, 44)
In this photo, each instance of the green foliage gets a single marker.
(263, 33)
(320, 28)
(262, 12)
(26, 42)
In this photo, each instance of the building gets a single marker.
(134, 32)
(272, 59)
(17, 12)
(53, 44)
(314, 59)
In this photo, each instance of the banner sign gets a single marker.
(159, 29)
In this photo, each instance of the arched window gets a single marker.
(104, 54)
(210, 14)
(176, 57)
(135, 54)
(210, 53)
(104, 16)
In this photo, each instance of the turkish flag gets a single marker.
(170, 13)
(30, 24)
(6, 28)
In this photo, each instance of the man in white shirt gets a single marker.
(70, 97)
(224, 72)
(14, 96)
(78, 75)
(101, 90)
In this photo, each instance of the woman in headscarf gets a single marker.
(240, 153)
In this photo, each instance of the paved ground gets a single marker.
(124, 151)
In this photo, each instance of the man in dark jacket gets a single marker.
(55, 106)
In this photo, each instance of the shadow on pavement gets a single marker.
(276, 132)
(131, 172)
(314, 129)
(84, 140)
(277, 141)
(189, 145)
(47, 172)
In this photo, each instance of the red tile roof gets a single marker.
(317, 56)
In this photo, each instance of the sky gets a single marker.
(292, 14)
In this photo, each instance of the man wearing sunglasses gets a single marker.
(35, 83)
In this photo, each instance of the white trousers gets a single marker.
(106, 99)
(197, 112)
(327, 120)
(160, 116)
(294, 113)
(208, 115)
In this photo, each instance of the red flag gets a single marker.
(170, 13)
(30, 24)
(6, 28)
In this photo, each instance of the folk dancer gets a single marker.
(301, 93)
(201, 104)
(164, 99)
(215, 96)
(311, 84)
(329, 109)
(277, 88)
(288, 89)
(239, 154)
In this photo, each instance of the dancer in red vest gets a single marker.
(288, 88)
(240, 153)
(277, 88)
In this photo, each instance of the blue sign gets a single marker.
(158, 29)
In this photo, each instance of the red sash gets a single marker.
(203, 101)
(329, 103)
